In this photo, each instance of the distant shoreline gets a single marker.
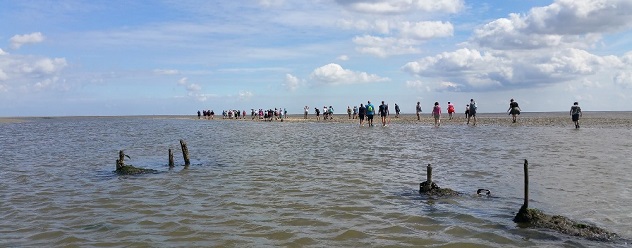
(596, 119)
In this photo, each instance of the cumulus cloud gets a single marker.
(569, 23)
(2, 52)
(425, 30)
(193, 90)
(31, 73)
(623, 79)
(18, 40)
(401, 6)
(475, 70)
(334, 74)
(398, 37)
(291, 82)
(385, 46)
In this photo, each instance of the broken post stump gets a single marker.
(171, 163)
(536, 218)
(121, 161)
(431, 188)
(185, 153)
(123, 169)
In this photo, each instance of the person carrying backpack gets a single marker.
(370, 111)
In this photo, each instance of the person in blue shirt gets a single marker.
(370, 111)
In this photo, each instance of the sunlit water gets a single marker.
(255, 184)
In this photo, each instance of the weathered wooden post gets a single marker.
(121, 161)
(525, 205)
(171, 163)
(185, 153)
(428, 185)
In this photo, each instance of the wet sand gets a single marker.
(603, 119)
(592, 120)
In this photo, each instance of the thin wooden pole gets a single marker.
(185, 153)
(428, 186)
(429, 175)
(526, 185)
(121, 161)
(171, 163)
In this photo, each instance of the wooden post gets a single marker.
(428, 185)
(429, 175)
(171, 163)
(121, 161)
(185, 153)
(525, 205)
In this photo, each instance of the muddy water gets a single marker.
(256, 184)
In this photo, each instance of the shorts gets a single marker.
(369, 117)
(575, 117)
(436, 117)
(472, 113)
(361, 117)
(383, 114)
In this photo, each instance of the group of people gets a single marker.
(208, 114)
(368, 112)
(261, 114)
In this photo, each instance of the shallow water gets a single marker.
(255, 184)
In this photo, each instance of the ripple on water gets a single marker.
(304, 185)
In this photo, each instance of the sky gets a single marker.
(120, 57)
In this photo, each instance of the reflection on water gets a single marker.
(256, 184)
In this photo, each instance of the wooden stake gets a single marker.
(171, 163)
(525, 205)
(185, 153)
(428, 185)
(121, 161)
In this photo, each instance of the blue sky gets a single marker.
(61, 58)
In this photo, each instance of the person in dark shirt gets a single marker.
(361, 114)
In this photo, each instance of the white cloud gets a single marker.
(383, 47)
(18, 40)
(166, 72)
(402, 6)
(425, 30)
(343, 57)
(245, 95)
(183, 81)
(417, 85)
(291, 82)
(565, 23)
(31, 73)
(623, 79)
(2, 52)
(468, 68)
(334, 74)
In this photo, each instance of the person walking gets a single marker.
(513, 110)
(349, 111)
(370, 111)
(436, 113)
(472, 112)
(396, 110)
(355, 112)
(306, 111)
(361, 114)
(575, 113)
(450, 110)
(418, 110)
(383, 113)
